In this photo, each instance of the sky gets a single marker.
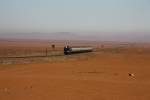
(80, 16)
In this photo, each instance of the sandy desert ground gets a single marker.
(106, 74)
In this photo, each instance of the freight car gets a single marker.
(71, 50)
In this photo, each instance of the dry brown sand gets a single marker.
(102, 76)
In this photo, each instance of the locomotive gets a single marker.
(71, 50)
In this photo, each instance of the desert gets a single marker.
(114, 71)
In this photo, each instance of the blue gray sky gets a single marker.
(77, 16)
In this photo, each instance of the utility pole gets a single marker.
(46, 51)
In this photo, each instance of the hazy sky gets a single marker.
(74, 16)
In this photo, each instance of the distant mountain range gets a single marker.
(38, 35)
(103, 36)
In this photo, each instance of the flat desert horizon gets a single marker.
(74, 49)
(113, 71)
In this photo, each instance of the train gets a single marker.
(71, 50)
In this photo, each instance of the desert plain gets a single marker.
(113, 71)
